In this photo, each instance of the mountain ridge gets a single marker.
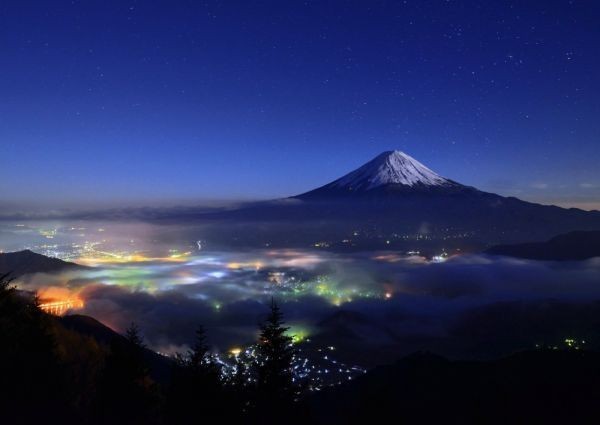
(393, 197)
(573, 246)
(24, 262)
(391, 202)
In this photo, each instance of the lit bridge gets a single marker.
(59, 308)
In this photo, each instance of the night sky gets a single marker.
(128, 101)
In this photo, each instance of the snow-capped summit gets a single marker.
(391, 172)
(392, 167)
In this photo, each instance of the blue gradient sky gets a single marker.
(130, 101)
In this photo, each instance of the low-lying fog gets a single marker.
(374, 306)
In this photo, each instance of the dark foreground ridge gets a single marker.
(75, 370)
(542, 386)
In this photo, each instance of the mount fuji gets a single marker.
(390, 172)
(395, 198)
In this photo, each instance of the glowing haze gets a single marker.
(158, 277)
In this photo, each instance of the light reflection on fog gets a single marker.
(157, 277)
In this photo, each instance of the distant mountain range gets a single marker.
(568, 247)
(393, 197)
(26, 262)
(392, 201)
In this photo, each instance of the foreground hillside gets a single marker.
(77, 371)
(544, 386)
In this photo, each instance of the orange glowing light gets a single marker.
(248, 265)
(235, 351)
(58, 301)
(60, 307)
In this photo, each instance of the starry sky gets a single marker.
(160, 101)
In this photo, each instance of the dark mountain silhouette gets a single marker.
(25, 262)
(160, 366)
(353, 327)
(567, 247)
(543, 386)
(89, 326)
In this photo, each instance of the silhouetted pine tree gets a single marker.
(196, 384)
(201, 360)
(275, 353)
(133, 335)
(30, 371)
(127, 393)
(275, 390)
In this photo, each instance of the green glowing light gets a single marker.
(298, 333)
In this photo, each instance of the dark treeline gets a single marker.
(51, 374)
